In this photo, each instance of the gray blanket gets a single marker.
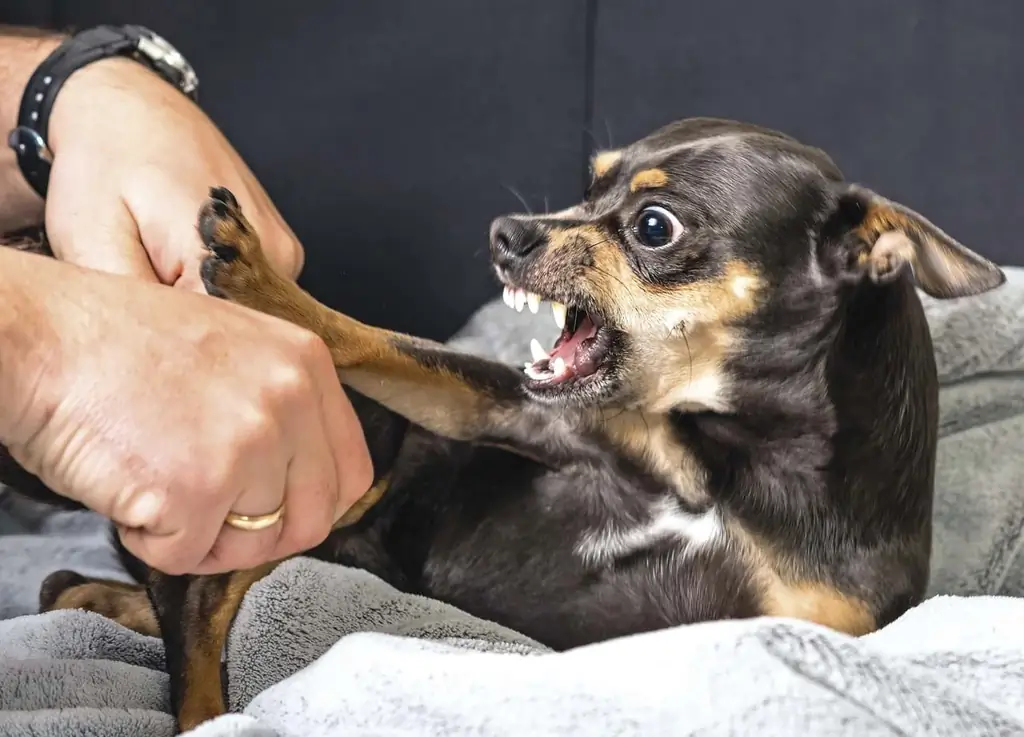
(319, 649)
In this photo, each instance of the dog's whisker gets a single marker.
(522, 200)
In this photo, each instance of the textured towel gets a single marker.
(387, 663)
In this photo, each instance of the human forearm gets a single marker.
(21, 51)
(28, 341)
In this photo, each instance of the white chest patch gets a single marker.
(667, 522)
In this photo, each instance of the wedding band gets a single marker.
(252, 523)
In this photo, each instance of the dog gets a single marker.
(738, 419)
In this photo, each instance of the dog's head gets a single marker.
(691, 235)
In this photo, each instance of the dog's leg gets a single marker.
(195, 615)
(455, 395)
(192, 614)
(125, 603)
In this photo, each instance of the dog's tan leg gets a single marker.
(210, 606)
(454, 395)
(193, 615)
(126, 604)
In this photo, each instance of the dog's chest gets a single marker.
(683, 513)
(665, 522)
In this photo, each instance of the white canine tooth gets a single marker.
(533, 301)
(506, 296)
(558, 366)
(537, 351)
(559, 310)
(520, 300)
(535, 374)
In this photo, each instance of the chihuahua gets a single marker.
(738, 418)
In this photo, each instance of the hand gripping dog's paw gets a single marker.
(235, 266)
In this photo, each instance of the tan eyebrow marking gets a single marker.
(648, 179)
(604, 161)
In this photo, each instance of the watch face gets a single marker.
(161, 53)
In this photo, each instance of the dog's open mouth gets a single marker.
(579, 352)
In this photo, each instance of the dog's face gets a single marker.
(688, 238)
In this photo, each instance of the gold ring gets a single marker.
(252, 523)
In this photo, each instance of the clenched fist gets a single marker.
(165, 410)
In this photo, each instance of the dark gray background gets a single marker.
(390, 132)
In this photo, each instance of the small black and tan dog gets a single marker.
(738, 419)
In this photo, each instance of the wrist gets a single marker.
(21, 51)
(110, 87)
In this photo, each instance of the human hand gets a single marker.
(165, 410)
(133, 161)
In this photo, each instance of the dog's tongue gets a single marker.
(569, 344)
(574, 354)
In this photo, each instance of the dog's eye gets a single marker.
(656, 227)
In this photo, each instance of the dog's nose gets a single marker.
(513, 238)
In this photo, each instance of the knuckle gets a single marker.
(290, 380)
(312, 348)
(288, 383)
(253, 431)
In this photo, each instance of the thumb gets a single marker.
(99, 233)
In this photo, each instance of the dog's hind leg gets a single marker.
(192, 614)
(195, 615)
(455, 395)
(125, 603)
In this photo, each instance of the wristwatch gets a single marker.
(28, 139)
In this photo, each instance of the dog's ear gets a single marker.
(880, 238)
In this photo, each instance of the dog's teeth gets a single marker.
(559, 310)
(558, 366)
(536, 374)
(506, 296)
(520, 300)
(537, 351)
(533, 301)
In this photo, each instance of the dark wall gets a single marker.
(389, 134)
(922, 100)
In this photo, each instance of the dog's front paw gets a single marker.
(235, 263)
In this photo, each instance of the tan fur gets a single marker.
(649, 440)
(942, 267)
(364, 504)
(203, 695)
(126, 604)
(819, 603)
(648, 179)
(604, 161)
(681, 334)
(788, 591)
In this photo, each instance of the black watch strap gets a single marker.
(29, 138)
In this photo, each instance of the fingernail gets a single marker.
(143, 509)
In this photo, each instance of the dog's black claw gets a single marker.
(208, 273)
(56, 584)
(227, 254)
(220, 208)
(224, 195)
